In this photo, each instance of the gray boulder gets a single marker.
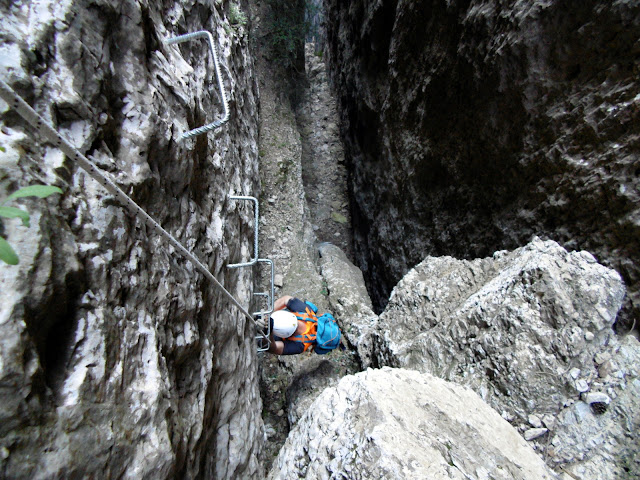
(350, 302)
(401, 424)
(530, 332)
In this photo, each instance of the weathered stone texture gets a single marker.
(401, 424)
(350, 302)
(530, 332)
(323, 170)
(118, 359)
(472, 126)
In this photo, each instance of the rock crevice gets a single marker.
(472, 127)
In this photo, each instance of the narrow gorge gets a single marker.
(458, 182)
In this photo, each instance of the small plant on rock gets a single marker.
(237, 16)
(7, 254)
(287, 30)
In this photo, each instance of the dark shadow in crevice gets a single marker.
(52, 322)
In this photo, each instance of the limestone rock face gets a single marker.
(401, 424)
(350, 302)
(118, 359)
(470, 127)
(530, 332)
(323, 170)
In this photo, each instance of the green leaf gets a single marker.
(2, 149)
(11, 212)
(40, 191)
(7, 254)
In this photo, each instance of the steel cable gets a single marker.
(46, 130)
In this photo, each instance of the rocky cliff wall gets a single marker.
(117, 359)
(470, 126)
(323, 171)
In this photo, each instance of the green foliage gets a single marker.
(285, 38)
(286, 166)
(325, 288)
(237, 16)
(12, 212)
(287, 30)
(40, 191)
(7, 254)
(338, 217)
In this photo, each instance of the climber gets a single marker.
(295, 328)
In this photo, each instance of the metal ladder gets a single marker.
(262, 337)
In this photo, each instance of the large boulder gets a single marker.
(530, 332)
(401, 424)
(348, 296)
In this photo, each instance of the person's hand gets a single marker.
(261, 321)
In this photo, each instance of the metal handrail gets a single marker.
(217, 123)
(255, 236)
(264, 336)
(269, 295)
(270, 304)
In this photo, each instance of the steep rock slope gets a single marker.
(323, 170)
(117, 358)
(471, 126)
(530, 332)
(286, 236)
(400, 424)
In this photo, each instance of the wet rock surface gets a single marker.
(117, 358)
(470, 127)
(401, 424)
(530, 332)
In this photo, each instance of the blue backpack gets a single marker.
(327, 334)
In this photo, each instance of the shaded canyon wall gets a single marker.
(471, 126)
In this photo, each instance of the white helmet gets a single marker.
(284, 323)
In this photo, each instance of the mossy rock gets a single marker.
(338, 217)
